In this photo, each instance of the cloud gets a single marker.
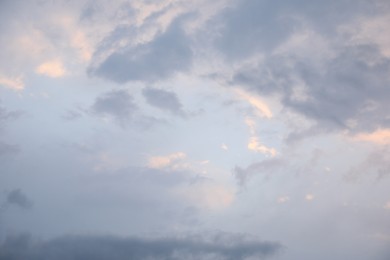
(309, 197)
(15, 83)
(222, 246)
(283, 199)
(314, 59)
(254, 143)
(167, 53)
(53, 69)
(18, 198)
(264, 167)
(117, 104)
(171, 160)
(8, 149)
(164, 100)
(261, 107)
(380, 136)
(377, 162)
(5, 116)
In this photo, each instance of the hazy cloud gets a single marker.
(164, 100)
(7, 148)
(220, 246)
(18, 198)
(265, 167)
(117, 104)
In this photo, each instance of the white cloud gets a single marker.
(224, 147)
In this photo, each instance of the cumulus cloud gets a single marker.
(222, 246)
(167, 53)
(164, 100)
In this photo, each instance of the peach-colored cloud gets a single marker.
(159, 162)
(380, 136)
(256, 146)
(262, 108)
(309, 197)
(254, 143)
(53, 69)
(15, 83)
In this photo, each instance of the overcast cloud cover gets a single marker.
(172, 129)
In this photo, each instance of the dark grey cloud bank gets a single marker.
(220, 246)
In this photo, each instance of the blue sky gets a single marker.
(228, 129)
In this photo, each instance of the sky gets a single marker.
(173, 129)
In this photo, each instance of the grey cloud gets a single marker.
(164, 100)
(168, 53)
(71, 115)
(118, 104)
(220, 246)
(8, 149)
(347, 91)
(377, 164)
(264, 167)
(249, 26)
(350, 93)
(18, 198)
(6, 116)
